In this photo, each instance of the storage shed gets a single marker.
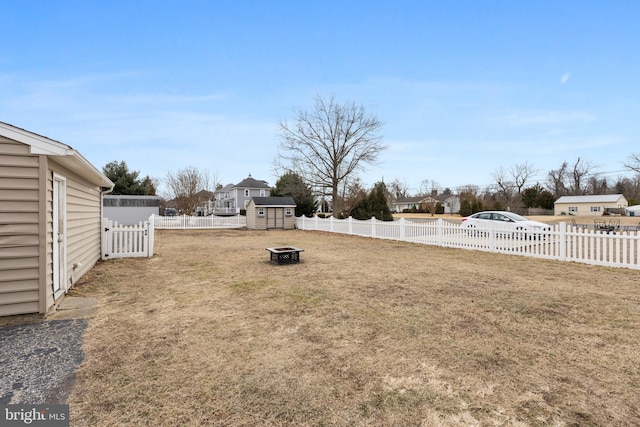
(267, 213)
(50, 219)
(589, 205)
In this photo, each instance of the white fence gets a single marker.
(564, 242)
(185, 222)
(126, 241)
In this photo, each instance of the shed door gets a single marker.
(59, 235)
(275, 218)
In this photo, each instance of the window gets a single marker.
(287, 212)
(262, 193)
(246, 203)
(260, 211)
(595, 208)
(246, 192)
(573, 209)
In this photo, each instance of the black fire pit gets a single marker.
(285, 254)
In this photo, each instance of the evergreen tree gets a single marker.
(292, 184)
(378, 205)
(530, 196)
(374, 205)
(545, 200)
(126, 181)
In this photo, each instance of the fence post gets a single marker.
(401, 224)
(151, 237)
(440, 224)
(562, 236)
(105, 236)
(492, 240)
(350, 224)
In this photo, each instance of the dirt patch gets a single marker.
(360, 332)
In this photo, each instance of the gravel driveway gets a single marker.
(38, 360)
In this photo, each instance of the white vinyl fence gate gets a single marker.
(126, 241)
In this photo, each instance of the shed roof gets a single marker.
(63, 153)
(601, 198)
(273, 201)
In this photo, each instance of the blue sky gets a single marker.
(463, 87)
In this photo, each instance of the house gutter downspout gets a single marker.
(106, 190)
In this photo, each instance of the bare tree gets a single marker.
(429, 187)
(503, 184)
(398, 189)
(513, 180)
(581, 169)
(330, 143)
(521, 174)
(353, 193)
(556, 180)
(429, 204)
(633, 162)
(188, 188)
(471, 190)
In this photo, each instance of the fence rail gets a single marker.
(564, 242)
(185, 222)
(126, 241)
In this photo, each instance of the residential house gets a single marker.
(589, 205)
(230, 199)
(50, 220)
(450, 203)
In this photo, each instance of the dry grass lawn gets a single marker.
(362, 332)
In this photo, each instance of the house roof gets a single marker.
(273, 201)
(250, 182)
(62, 153)
(407, 200)
(422, 199)
(602, 198)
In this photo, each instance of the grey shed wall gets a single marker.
(130, 210)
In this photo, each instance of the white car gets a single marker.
(504, 222)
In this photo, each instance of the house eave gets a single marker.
(62, 153)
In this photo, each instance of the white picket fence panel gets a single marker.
(185, 222)
(127, 241)
(563, 243)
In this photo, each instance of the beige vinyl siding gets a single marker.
(19, 229)
(83, 223)
(252, 214)
(274, 217)
(48, 232)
